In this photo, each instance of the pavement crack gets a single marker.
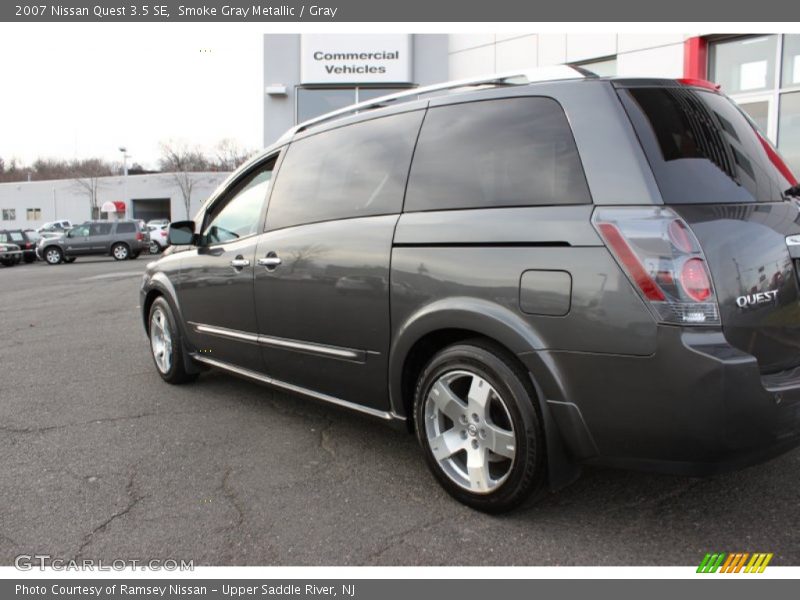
(399, 538)
(133, 499)
(325, 438)
(49, 428)
(232, 497)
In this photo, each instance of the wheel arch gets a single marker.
(160, 286)
(453, 320)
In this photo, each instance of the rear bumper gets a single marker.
(697, 406)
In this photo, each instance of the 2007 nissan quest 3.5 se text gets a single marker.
(530, 272)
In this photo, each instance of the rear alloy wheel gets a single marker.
(53, 255)
(154, 248)
(476, 419)
(120, 252)
(166, 344)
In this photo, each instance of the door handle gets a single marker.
(270, 261)
(240, 263)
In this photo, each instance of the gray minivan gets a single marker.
(530, 272)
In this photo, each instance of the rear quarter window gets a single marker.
(496, 153)
(700, 146)
(126, 228)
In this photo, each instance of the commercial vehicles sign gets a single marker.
(347, 59)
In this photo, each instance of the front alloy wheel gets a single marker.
(166, 345)
(53, 255)
(161, 341)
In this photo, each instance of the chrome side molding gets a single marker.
(289, 387)
(276, 342)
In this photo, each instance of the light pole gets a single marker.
(125, 157)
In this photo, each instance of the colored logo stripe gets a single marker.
(734, 562)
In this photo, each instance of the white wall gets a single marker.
(657, 55)
(64, 198)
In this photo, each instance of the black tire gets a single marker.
(154, 248)
(53, 255)
(134, 255)
(176, 373)
(30, 259)
(69, 259)
(120, 251)
(526, 471)
(7, 263)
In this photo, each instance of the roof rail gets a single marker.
(521, 77)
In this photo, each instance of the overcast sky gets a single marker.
(83, 91)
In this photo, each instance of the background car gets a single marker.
(62, 225)
(159, 236)
(120, 239)
(24, 239)
(9, 254)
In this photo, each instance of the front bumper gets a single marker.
(696, 406)
(9, 254)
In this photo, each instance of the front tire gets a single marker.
(53, 255)
(120, 252)
(476, 419)
(166, 344)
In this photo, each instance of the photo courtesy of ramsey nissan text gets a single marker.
(292, 309)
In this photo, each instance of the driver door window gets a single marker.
(238, 215)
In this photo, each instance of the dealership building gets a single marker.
(305, 75)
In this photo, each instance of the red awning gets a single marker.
(120, 206)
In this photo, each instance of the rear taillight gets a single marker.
(664, 260)
(140, 236)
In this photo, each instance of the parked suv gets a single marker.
(540, 275)
(26, 240)
(120, 239)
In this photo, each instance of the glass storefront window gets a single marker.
(744, 65)
(789, 133)
(791, 60)
(602, 68)
(313, 102)
(759, 112)
(365, 94)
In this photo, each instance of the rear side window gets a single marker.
(101, 228)
(357, 170)
(509, 152)
(126, 227)
(700, 146)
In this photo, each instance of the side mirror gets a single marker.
(181, 233)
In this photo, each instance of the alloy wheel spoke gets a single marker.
(500, 441)
(446, 444)
(446, 401)
(478, 395)
(478, 469)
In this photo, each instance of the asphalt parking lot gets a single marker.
(101, 459)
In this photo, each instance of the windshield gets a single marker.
(701, 147)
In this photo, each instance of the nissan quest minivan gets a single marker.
(531, 272)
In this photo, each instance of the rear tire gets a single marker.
(166, 344)
(120, 251)
(53, 255)
(476, 418)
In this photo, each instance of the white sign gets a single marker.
(349, 59)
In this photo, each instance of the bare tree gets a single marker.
(179, 160)
(87, 179)
(230, 154)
